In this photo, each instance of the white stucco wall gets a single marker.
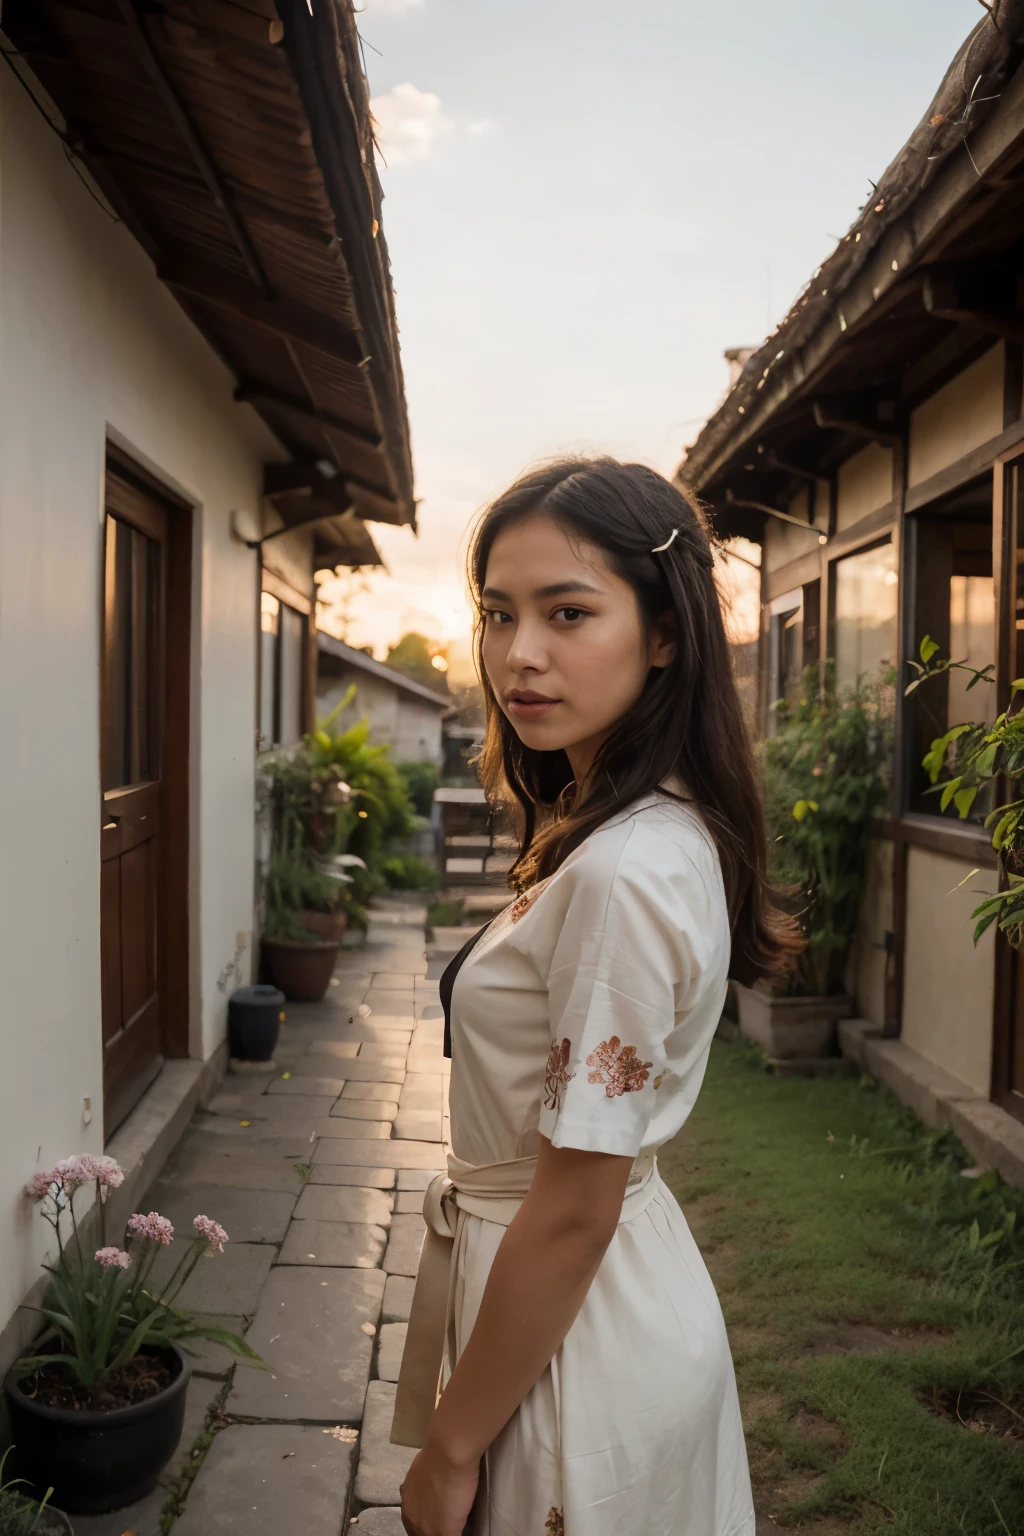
(963, 414)
(948, 984)
(863, 484)
(92, 346)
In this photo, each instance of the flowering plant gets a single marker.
(100, 1305)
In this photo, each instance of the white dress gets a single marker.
(586, 1013)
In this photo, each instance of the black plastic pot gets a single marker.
(254, 1022)
(98, 1461)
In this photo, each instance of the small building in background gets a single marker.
(403, 714)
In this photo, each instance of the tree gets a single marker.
(414, 655)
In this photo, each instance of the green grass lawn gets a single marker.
(875, 1303)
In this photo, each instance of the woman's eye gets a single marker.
(496, 616)
(570, 615)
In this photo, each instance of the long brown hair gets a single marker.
(687, 721)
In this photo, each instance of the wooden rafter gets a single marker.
(224, 290)
(988, 300)
(861, 415)
(256, 393)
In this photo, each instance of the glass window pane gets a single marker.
(290, 675)
(131, 639)
(269, 614)
(116, 635)
(866, 590)
(972, 617)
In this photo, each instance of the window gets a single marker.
(865, 591)
(793, 643)
(282, 648)
(954, 603)
(131, 655)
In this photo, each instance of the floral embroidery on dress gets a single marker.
(618, 1067)
(520, 907)
(661, 1078)
(557, 1075)
(555, 1523)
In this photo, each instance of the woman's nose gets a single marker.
(527, 652)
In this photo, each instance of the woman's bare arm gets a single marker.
(541, 1273)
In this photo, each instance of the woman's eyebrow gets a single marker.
(556, 589)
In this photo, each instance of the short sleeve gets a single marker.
(623, 961)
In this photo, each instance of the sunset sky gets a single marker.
(586, 203)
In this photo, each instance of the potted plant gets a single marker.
(22, 1516)
(97, 1406)
(826, 778)
(301, 925)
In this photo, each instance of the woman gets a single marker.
(588, 1384)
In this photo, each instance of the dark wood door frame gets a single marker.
(130, 491)
(1007, 1088)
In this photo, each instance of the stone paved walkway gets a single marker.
(317, 1173)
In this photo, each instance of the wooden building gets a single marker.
(874, 447)
(201, 402)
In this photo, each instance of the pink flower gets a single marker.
(40, 1185)
(72, 1172)
(153, 1226)
(112, 1258)
(213, 1232)
(107, 1172)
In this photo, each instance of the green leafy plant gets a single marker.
(19, 1516)
(420, 780)
(100, 1307)
(962, 763)
(408, 872)
(826, 776)
(292, 886)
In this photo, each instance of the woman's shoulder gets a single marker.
(657, 844)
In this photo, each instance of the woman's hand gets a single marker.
(438, 1494)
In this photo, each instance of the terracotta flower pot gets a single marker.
(302, 969)
(98, 1460)
(331, 926)
(791, 1028)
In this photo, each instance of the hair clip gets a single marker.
(660, 548)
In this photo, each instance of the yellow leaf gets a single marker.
(285, 1075)
(245, 1122)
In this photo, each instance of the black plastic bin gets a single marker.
(255, 1015)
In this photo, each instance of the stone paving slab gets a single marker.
(320, 1202)
(216, 1133)
(408, 1202)
(337, 1173)
(419, 1178)
(379, 1050)
(378, 1522)
(266, 1479)
(365, 1109)
(274, 1107)
(242, 1169)
(405, 1242)
(208, 1358)
(398, 1005)
(389, 1355)
(247, 1215)
(380, 1018)
(309, 1087)
(229, 1282)
(360, 1071)
(344, 1128)
(334, 1244)
(309, 1329)
(345, 1043)
(369, 1091)
(376, 1153)
(397, 1299)
(382, 1466)
(422, 1090)
(419, 1125)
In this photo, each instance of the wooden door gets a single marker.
(133, 727)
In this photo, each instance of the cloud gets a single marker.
(483, 128)
(410, 123)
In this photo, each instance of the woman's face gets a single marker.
(565, 646)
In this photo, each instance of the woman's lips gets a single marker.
(530, 706)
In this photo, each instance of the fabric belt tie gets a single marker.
(494, 1192)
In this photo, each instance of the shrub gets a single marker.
(826, 778)
(421, 779)
(408, 872)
